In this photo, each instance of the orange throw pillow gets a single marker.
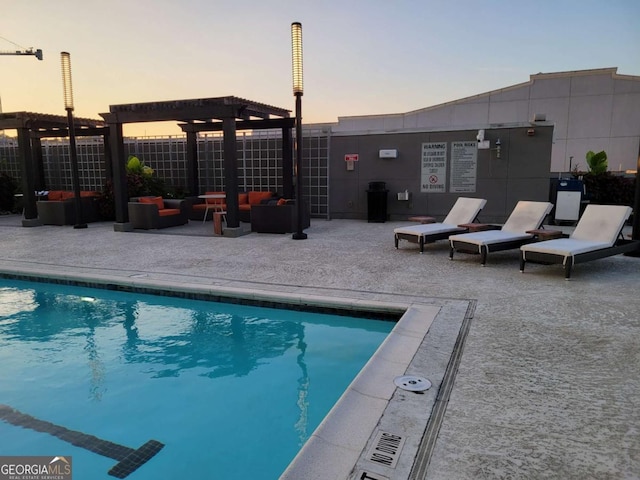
(155, 200)
(281, 202)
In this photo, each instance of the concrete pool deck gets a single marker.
(548, 384)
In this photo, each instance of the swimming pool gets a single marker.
(231, 391)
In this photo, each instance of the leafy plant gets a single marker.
(140, 182)
(137, 166)
(597, 162)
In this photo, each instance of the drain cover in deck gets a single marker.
(412, 383)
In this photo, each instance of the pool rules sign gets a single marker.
(433, 178)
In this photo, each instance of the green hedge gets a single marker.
(608, 189)
(8, 188)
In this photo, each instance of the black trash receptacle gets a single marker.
(377, 202)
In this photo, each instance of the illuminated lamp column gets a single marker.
(68, 105)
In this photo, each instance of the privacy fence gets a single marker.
(259, 162)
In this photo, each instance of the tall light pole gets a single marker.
(68, 105)
(296, 50)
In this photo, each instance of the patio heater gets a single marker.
(68, 105)
(296, 47)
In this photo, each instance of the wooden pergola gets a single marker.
(226, 114)
(32, 128)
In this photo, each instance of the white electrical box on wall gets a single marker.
(389, 153)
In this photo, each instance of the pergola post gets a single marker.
(120, 194)
(193, 182)
(108, 161)
(30, 218)
(38, 163)
(231, 172)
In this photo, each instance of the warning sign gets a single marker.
(434, 167)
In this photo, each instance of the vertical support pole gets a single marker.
(635, 232)
(120, 193)
(192, 163)
(287, 163)
(299, 234)
(38, 163)
(30, 218)
(75, 174)
(231, 171)
(108, 160)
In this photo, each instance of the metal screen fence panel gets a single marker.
(259, 162)
(9, 157)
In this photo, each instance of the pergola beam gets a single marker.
(240, 125)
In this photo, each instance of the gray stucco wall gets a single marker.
(521, 172)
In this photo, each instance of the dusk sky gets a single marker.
(360, 57)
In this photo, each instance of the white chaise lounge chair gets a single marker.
(526, 216)
(465, 210)
(597, 235)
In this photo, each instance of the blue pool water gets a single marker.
(231, 391)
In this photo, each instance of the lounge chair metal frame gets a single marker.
(483, 249)
(621, 246)
(422, 239)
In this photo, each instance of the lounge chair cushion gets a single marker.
(565, 247)
(490, 237)
(601, 223)
(526, 216)
(429, 229)
(465, 210)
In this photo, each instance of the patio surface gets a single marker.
(549, 380)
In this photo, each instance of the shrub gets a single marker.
(608, 189)
(140, 182)
(8, 188)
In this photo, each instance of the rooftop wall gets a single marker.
(590, 109)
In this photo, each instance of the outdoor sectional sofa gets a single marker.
(59, 208)
(278, 216)
(157, 212)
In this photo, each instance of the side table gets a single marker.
(542, 234)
